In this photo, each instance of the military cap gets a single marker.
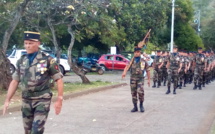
(29, 35)
(158, 51)
(199, 48)
(137, 49)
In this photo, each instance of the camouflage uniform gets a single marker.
(187, 73)
(199, 69)
(206, 72)
(157, 74)
(137, 79)
(182, 72)
(164, 69)
(190, 72)
(35, 81)
(174, 61)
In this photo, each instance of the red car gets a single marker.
(112, 61)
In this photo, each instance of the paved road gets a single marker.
(108, 112)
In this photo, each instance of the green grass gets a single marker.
(68, 88)
(75, 87)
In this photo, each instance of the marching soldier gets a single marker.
(34, 72)
(174, 67)
(163, 68)
(157, 64)
(188, 64)
(181, 73)
(137, 69)
(200, 66)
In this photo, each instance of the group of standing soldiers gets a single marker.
(181, 68)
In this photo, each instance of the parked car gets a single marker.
(113, 62)
(17, 53)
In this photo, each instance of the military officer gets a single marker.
(174, 67)
(137, 68)
(34, 73)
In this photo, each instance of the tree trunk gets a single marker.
(13, 24)
(5, 76)
(74, 67)
(54, 39)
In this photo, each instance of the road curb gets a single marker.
(71, 95)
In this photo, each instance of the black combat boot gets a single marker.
(174, 91)
(195, 86)
(141, 107)
(154, 84)
(168, 91)
(135, 109)
(200, 87)
(180, 86)
(203, 84)
(159, 83)
(185, 81)
(164, 83)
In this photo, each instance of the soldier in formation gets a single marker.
(157, 64)
(174, 67)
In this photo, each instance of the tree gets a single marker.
(82, 19)
(12, 12)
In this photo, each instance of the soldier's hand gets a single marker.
(6, 104)
(58, 106)
(123, 75)
(179, 70)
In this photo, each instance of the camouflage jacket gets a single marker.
(199, 59)
(138, 68)
(157, 61)
(35, 79)
(174, 60)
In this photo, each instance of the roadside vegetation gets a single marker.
(68, 89)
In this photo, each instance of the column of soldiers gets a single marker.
(181, 68)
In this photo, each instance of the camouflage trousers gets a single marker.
(189, 75)
(157, 75)
(198, 74)
(181, 75)
(164, 74)
(137, 88)
(34, 114)
(173, 75)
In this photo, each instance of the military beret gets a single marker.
(199, 48)
(158, 51)
(29, 35)
(137, 49)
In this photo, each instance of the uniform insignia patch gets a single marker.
(56, 67)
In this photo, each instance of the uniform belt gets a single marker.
(27, 94)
